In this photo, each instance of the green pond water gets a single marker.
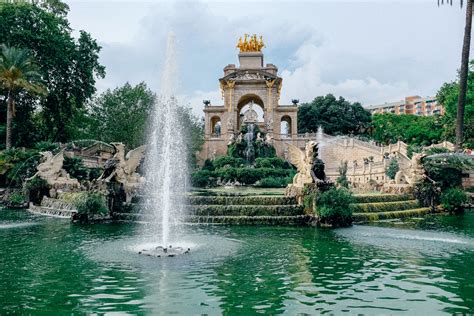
(51, 266)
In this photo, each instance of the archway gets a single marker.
(285, 126)
(250, 102)
(216, 126)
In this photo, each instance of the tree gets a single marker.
(335, 116)
(414, 130)
(463, 74)
(392, 169)
(18, 72)
(448, 95)
(69, 66)
(121, 115)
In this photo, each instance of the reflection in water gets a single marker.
(56, 266)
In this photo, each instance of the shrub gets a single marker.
(16, 199)
(392, 169)
(453, 199)
(75, 167)
(334, 207)
(47, 146)
(18, 165)
(208, 165)
(227, 161)
(275, 162)
(271, 182)
(202, 178)
(427, 193)
(342, 179)
(91, 204)
(36, 188)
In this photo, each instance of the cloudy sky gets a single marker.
(368, 51)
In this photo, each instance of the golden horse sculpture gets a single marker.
(250, 43)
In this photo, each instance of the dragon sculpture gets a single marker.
(122, 169)
(51, 170)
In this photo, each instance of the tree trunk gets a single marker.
(9, 120)
(463, 76)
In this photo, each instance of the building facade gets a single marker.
(250, 89)
(414, 105)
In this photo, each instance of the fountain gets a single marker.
(166, 164)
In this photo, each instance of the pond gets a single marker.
(423, 267)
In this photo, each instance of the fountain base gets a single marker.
(164, 251)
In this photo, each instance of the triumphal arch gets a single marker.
(250, 91)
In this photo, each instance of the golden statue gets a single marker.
(250, 43)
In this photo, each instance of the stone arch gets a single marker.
(216, 126)
(259, 107)
(285, 125)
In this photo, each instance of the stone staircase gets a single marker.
(369, 208)
(235, 209)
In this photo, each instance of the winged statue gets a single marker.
(122, 168)
(51, 170)
(303, 161)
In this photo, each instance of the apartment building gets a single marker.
(415, 105)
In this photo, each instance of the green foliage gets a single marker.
(69, 67)
(274, 162)
(453, 199)
(243, 175)
(208, 165)
(228, 161)
(392, 169)
(271, 182)
(193, 133)
(335, 116)
(47, 146)
(428, 193)
(342, 179)
(36, 188)
(203, 178)
(446, 170)
(448, 96)
(75, 167)
(334, 207)
(121, 115)
(16, 199)
(91, 204)
(411, 129)
(18, 164)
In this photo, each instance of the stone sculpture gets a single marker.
(122, 168)
(51, 170)
(414, 174)
(303, 161)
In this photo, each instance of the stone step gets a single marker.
(372, 217)
(232, 210)
(240, 200)
(374, 198)
(385, 206)
(246, 210)
(229, 220)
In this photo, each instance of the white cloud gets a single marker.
(372, 52)
(305, 81)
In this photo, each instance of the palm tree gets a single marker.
(463, 72)
(18, 72)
